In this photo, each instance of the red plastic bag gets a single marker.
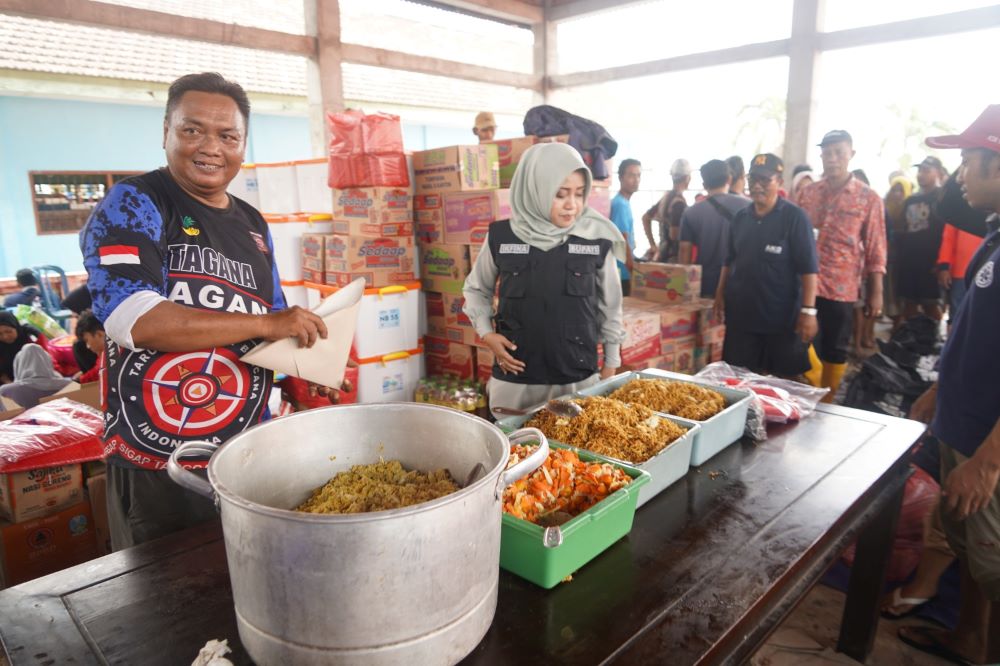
(346, 134)
(388, 170)
(919, 497)
(382, 133)
(50, 427)
(348, 171)
(782, 399)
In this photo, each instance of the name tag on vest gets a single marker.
(514, 248)
(576, 248)
(773, 249)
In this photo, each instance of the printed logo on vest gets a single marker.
(773, 249)
(984, 278)
(577, 248)
(514, 248)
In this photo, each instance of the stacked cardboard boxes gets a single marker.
(688, 334)
(457, 198)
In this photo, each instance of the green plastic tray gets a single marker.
(522, 544)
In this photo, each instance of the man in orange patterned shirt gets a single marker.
(850, 224)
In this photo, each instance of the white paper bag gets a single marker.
(325, 361)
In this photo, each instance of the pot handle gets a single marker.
(184, 477)
(529, 464)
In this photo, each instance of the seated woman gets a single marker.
(560, 294)
(36, 378)
(13, 336)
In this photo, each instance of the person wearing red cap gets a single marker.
(965, 405)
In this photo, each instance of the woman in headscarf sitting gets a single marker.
(553, 264)
(13, 336)
(36, 378)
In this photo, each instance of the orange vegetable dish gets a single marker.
(564, 483)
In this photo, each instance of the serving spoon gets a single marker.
(558, 406)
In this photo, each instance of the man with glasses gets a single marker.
(767, 289)
(850, 222)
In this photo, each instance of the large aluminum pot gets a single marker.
(409, 586)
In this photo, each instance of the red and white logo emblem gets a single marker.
(195, 393)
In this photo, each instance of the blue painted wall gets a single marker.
(38, 134)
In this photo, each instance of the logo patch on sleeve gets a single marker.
(514, 248)
(259, 240)
(578, 248)
(118, 254)
(984, 278)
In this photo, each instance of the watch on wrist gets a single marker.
(809, 311)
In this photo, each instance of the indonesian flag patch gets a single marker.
(119, 254)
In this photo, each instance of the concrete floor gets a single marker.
(809, 637)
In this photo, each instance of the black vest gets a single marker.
(548, 305)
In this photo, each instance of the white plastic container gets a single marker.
(295, 294)
(286, 232)
(388, 320)
(279, 191)
(244, 185)
(390, 378)
(315, 196)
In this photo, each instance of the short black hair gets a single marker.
(208, 82)
(736, 167)
(26, 277)
(715, 173)
(88, 323)
(626, 163)
(800, 168)
(861, 175)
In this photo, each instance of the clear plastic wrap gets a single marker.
(782, 400)
(346, 134)
(50, 426)
(382, 133)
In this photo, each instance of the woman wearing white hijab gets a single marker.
(554, 266)
(36, 377)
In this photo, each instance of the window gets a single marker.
(844, 14)
(664, 29)
(64, 200)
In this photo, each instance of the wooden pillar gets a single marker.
(324, 78)
(803, 64)
(546, 53)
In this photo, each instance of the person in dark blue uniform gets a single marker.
(553, 264)
(767, 290)
(965, 405)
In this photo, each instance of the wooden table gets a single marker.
(711, 567)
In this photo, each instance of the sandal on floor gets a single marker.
(922, 638)
(914, 604)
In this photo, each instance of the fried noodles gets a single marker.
(682, 399)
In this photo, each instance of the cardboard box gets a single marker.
(34, 548)
(712, 335)
(509, 152)
(468, 216)
(679, 320)
(382, 262)
(484, 364)
(39, 492)
(428, 217)
(376, 205)
(314, 257)
(706, 314)
(88, 394)
(682, 350)
(443, 268)
(503, 204)
(449, 322)
(666, 283)
(640, 325)
(444, 357)
(368, 229)
(459, 218)
(640, 350)
(456, 169)
(97, 492)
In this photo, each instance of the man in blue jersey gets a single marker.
(965, 405)
(183, 277)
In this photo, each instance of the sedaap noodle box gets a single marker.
(382, 262)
